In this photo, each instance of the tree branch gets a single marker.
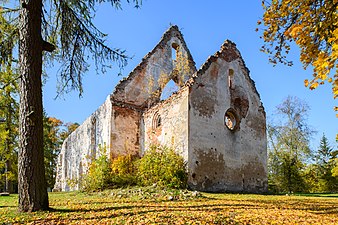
(46, 46)
(10, 82)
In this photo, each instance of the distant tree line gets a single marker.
(292, 165)
(54, 133)
(54, 130)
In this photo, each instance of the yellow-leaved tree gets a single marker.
(313, 26)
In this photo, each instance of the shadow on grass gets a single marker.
(165, 211)
(109, 209)
(328, 208)
(322, 195)
(113, 213)
(5, 206)
(135, 210)
(90, 210)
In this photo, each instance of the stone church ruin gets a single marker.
(215, 120)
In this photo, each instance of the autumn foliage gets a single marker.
(313, 26)
(148, 206)
(163, 166)
(160, 165)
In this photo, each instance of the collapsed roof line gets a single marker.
(164, 39)
(229, 53)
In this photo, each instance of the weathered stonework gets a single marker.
(216, 120)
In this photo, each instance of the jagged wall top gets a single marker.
(228, 52)
(144, 84)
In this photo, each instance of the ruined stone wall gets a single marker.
(167, 123)
(125, 133)
(82, 145)
(215, 121)
(117, 123)
(143, 86)
(221, 158)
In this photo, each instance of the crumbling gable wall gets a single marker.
(169, 60)
(215, 121)
(227, 130)
(142, 88)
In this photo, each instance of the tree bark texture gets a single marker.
(32, 186)
(8, 149)
(8, 143)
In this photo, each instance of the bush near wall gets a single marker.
(124, 170)
(98, 176)
(160, 165)
(163, 166)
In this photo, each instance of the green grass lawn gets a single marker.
(150, 206)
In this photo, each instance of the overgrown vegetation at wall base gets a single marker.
(163, 166)
(124, 170)
(99, 175)
(160, 165)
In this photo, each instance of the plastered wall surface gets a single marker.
(143, 86)
(125, 133)
(82, 145)
(221, 159)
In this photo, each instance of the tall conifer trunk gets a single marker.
(8, 149)
(31, 174)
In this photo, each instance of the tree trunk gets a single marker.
(31, 172)
(8, 183)
(8, 143)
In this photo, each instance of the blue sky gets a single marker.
(205, 26)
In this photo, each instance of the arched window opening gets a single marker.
(157, 121)
(231, 119)
(170, 88)
(231, 78)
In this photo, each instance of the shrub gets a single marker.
(99, 175)
(162, 165)
(124, 170)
